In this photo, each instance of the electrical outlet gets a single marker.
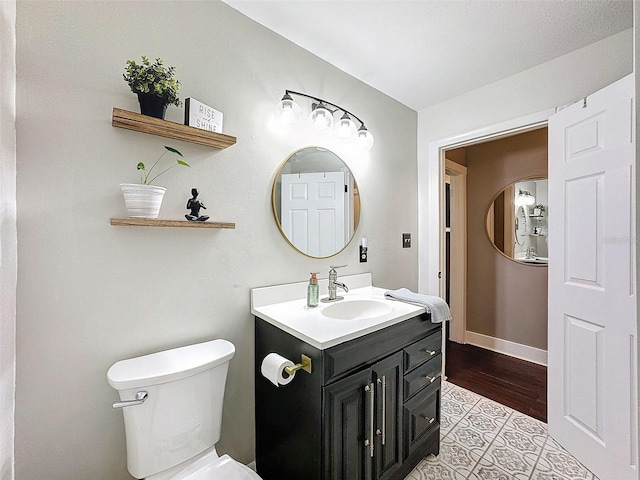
(406, 240)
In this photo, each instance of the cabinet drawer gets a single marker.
(422, 350)
(355, 354)
(424, 375)
(421, 417)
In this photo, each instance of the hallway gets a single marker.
(510, 381)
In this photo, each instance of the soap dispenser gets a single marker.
(312, 291)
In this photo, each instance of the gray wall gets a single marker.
(90, 294)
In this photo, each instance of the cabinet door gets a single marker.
(349, 408)
(387, 375)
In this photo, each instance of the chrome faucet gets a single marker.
(334, 284)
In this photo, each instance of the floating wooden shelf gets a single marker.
(163, 128)
(151, 222)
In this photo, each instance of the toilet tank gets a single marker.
(182, 414)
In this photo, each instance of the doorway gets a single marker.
(468, 337)
(504, 294)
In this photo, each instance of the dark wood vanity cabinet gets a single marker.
(369, 410)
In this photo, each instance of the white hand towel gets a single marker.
(436, 306)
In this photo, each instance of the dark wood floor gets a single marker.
(510, 381)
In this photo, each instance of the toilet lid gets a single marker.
(224, 468)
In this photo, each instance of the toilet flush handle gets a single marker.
(140, 398)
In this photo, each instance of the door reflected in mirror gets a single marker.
(316, 203)
(517, 222)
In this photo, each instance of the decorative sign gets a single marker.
(199, 115)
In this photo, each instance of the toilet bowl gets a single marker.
(172, 408)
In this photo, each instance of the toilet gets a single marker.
(172, 407)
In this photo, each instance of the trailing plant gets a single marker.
(145, 174)
(153, 78)
(540, 206)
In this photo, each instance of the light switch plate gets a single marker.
(406, 240)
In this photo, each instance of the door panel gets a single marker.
(313, 211)
(592, 305)
(584, 249)
(584, 375)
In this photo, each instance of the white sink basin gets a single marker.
(541, 260)
(356, 309)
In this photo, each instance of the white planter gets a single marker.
(142, 201)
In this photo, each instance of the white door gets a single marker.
(313, 211)
(592, 409)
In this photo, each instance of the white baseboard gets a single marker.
(525, 352)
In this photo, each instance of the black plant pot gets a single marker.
(152, 105)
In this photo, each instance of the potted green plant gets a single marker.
(143, 200)
(154, 84)
(538, 209)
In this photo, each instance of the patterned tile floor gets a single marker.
(484, 440)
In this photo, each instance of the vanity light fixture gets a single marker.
(346, 127)
(321, 117)
(288, 113)
(525, 198)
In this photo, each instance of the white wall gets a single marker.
(8, 239)
(90, 294)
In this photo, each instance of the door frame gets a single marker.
(458, 249)
(431, 171)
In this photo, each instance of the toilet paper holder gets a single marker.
(305, 364)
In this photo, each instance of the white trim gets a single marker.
(8, 237)
(517, 350)
(458, 254)
(455, 167)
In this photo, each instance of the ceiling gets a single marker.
(423, 52)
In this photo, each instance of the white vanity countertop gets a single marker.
(285, 306)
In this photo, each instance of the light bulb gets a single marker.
(321, 118)
(365, 139)
(346, 127)
(287, 112)
(525, 198)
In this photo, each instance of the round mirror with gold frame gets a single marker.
(517, 222)
(316, 203)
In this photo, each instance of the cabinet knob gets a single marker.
(431, 379)
(430, 420)
(431, 352)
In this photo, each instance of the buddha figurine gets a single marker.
(195, 205)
